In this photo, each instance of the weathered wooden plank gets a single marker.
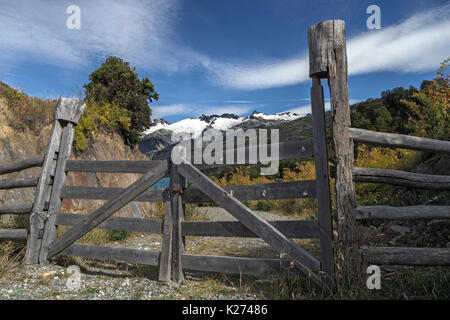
(177, 210)
(69, 109)
(113, 166)
(43, 191)
(114, 223)
(251, 266)
(22, 164)
(105, 253)
(403, 213)
(308, 264)
(322, 183)
(55, 201)
(401, 178)
(98, 193)
(395, 140)
(294, 149)
(165, 263)
(18, 183)
(407, 256)
(266, 191)
(13, 234)
(105, 211)
(16, 208)
(301, 229)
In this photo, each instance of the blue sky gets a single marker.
(216, 56)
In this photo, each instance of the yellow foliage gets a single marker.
(96, 116)
(385, 158)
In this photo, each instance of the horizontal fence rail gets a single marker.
(22, 164)
(266, 191)
(13, 235)
(403, 213)
(251, 266)
(399, 141)
(401, 178)
(16, 208)
(407, 256)
(398, 178)
(301, 229)
(287, 150)
(6, 184)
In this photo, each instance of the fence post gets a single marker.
(177, 183)
(47, 201)
(322, 185)
(328, 59)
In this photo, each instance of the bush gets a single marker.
(96, 117)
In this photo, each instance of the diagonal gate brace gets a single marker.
(306, 262)
(108, 209)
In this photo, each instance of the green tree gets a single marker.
(116, 83)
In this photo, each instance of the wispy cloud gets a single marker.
(305, 109)
(138, 31)
(195, 110)
(144, 32)
(417, 44)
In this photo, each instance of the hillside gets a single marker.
(25, 124)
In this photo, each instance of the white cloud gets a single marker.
(144, 32)
(417, 44)
(305, 109)
(138, 31)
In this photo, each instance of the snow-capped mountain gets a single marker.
(159, 136)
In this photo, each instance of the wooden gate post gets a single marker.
(322, 185)
(47, 201)
(170, 264)
(328, 59)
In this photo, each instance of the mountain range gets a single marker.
(157, 141)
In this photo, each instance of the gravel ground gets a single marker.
(105, 281)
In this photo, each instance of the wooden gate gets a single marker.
(172, 260)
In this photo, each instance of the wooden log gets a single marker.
(322, 184)
(55, 202)
(401, 178)
(165, 262)
(18, 183)
(43, 190)
(307, 263)
(250, 266)
(407, 256)
(113, 166)
(301, 229)
(13, 234)
(22, 164)
(105, 253)
(108, 209)
(16, 208)
(403, 213)
(328, 58)
(395, 140)
(114, 223)
(69, 109)
(266, 191)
